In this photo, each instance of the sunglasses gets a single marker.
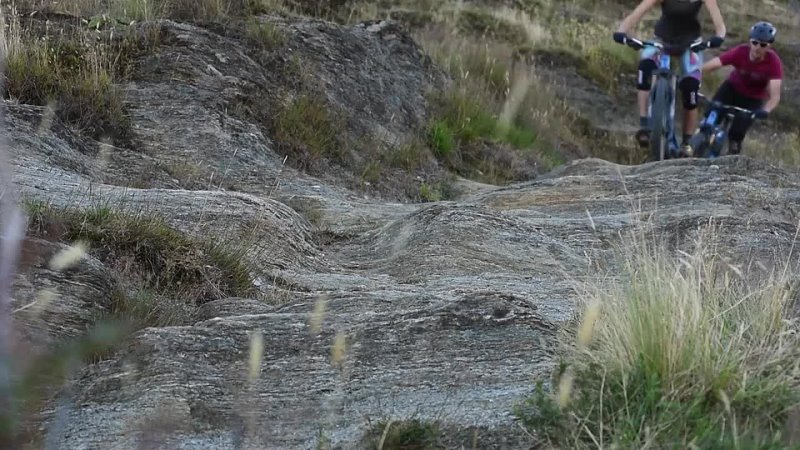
(755, 42)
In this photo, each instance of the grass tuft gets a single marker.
(166, 273)
(782, 149)
(685, 351)
(200, 10)
(409, 157)
(474, 142)
(411, 434)
(307, 131)
(264, 34)
(471, 121)
(442, 138)
(66, 70)
(484, 24)
(430, 192)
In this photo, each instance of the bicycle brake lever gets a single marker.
(700, 46)
(633, 44)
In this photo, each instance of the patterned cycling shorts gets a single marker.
(691, 62)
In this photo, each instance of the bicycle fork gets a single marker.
(710, 123)
(672, 136)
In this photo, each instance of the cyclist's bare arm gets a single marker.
(774, 90)
(630, 22)
(712, 65)
(716, 17)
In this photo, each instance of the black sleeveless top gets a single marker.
(680, 21)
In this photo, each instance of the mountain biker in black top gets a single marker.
(678, 28)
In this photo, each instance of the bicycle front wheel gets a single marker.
(659, 112)
(699, 144)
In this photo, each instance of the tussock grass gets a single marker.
(442, 138)
(488, 65)
(474, 142)
(404, 434)
(201, 10)
(464, 117)
(781, 149)
(208, 11)
(308, 130)
(138, 10)
(165, 272)
(64, 69)
(502, 84)
(484, 24)
(683, 351)
(144, 10)
(786, 117)
(588, 42)
(409, 157)
(433, 192)
(479, 129)
(264, 34)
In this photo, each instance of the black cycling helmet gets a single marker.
(763, 31)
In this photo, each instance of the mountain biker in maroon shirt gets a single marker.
(754, 83)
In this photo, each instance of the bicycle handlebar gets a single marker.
(735, 108)
(638, 44)
(720, 105)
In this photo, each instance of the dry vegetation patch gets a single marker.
(163, 274)
(679, 351)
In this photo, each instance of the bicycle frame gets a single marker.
(716, 125)
(718, 131)
(667, 145)
(725, 114)
(665, 70)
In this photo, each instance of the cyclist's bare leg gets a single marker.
(691, 64)
(643, 98)
(643, 135)
(690, 119)
(644, 83)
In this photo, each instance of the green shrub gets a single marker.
(442, 140)
(466, 119)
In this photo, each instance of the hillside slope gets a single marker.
(300, 239)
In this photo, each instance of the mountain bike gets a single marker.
(661, 106)
(713, 131)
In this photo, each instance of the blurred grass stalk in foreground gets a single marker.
(12, 232)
